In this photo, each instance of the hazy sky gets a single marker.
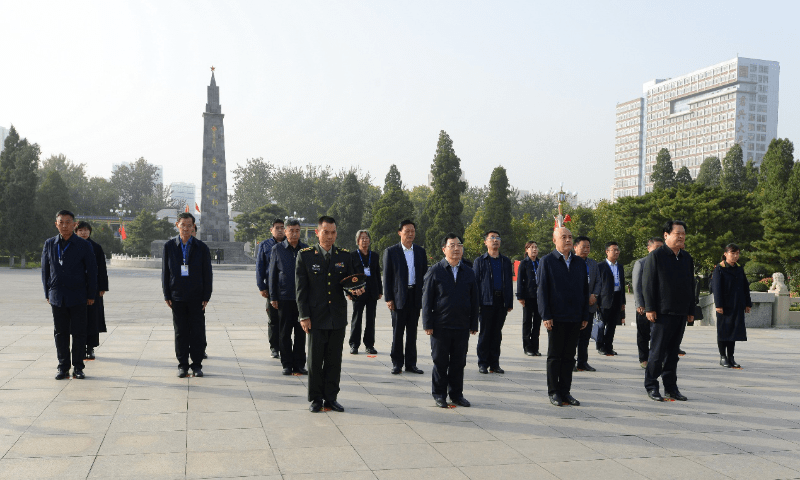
(531, 86)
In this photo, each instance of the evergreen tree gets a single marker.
(136, 184)
(51, 196)
(19, 163)
(143, 230)
(419, 198)
(750, 176)
(74, 177)
(251, 185)
(474, 236)
(683, 177)
(393, 207)
(102, 234)
(732, 177)
(776, 167)
(497, 209)
(255, 226)
(442, 213)
(709, 173)
(663, 176)
(348, 210)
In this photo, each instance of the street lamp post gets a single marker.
(120, 212)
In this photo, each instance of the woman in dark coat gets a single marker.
(95, 313)
(732, 299)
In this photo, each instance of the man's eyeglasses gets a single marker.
(454, 245)
(493, 238)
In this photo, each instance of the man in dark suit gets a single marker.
(366, 262)
(449, 314)
(611, 300)
(186, 280)
(564, 305)
(526, 295)
(323, 312)
(583, 247)
(493, 272)
(404, 267)
(668, 290)
(69, 278)
(642, 324)
(283, 297)
(262, 280)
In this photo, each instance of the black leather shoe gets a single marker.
(273, 352)
(655, 395)
(610, 353)
(301, 371)
(413, 370)
(483, 370)
(555, 399)
(570, 400)
(681, 352)
(205, 356)
(90, 354)
(198, 372)
(675, 395)
(183, 372)
(733, 363)
(287, 371)
(600, 351)
(586, 368)
(575, 368)
(537, 354)
(724, 362)
(529, 353)
(61, 374)
(496, 370)
(396, 369)
(441, 403)
(461, 402)
(78, 373)
(315, 407)
(353, 351)
(372, 351)
(334, 405)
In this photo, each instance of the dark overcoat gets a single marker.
(732, 294)
(97, 320)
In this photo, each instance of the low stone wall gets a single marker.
(760, 315)
(138, 262)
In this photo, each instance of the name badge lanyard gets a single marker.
(369, 261)
(588, 278)
(61, 254)
(185, 267)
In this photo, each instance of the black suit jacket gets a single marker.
(102, 271)
(196, 287)
(395, 276)
(320, 296)
(374, 287)
(606, 298)
(75, 281)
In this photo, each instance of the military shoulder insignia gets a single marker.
(344, 250)
(307, 249)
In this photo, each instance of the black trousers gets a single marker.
(666, 335)
(273, 327)
(584, 339)
(562, 341)
(643, 336)
(531, 324)
(355, 322)
(189, 323)
(405, 321)
(611, 317)
(492, 318)
(449, 351)
(293, 354)
(324, 363)
(69, 321)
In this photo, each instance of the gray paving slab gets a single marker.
(133, 418)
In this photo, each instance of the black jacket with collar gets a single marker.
(196, 287)
(485, 278)
(319, 294)
(668, 282)
(526, 279)
(74, 282)
(448, 303)
(374, 282)
(606, 297)
(282, 262)
(563, 294)
(395, 276)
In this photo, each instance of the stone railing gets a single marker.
(120, 260)
(770, 309)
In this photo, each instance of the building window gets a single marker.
(750, 146)
(751, 127)
(762, 108)
(762, 99)
(761, 128)
(752, 107)
(761, 147)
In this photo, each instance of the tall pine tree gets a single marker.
(51, 196)
(663, 176)
(19, 163)
(732, 177)
(683, 177)
(393, 207)
(496, 213)
(348, 210)
(709, 173)
(442, 213)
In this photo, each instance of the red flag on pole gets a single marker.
(196, 207)
(186, 209)
(122, 234)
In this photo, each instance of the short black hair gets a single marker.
(583, 238)
(529, 243)
(671, 223)
(406, 222)
(292, 222)
(491, 231)
(611, 244)
(326, 219)
(62, 213)
(653, 240)
(183, 215)
(84, 224)
(450, 236)
(277, 220)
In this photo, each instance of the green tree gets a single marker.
(750, 176)
(474, 236)
(393, 207)
(143, 230)
(710, 171)
(442, 212)
(776, 167)
(537, 205)
(102, 234)
(100, 197)
(251, 185)
(255, 226)
(74, 177)
(135, 184)
(496, 213)
(51, 196)
(663, 176)
(19, 163)
(348, 210)
(733, 177)
(683, 177)
(473, 199)
(419, 198)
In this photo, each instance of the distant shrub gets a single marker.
(758, 287)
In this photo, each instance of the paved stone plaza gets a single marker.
(132, 417)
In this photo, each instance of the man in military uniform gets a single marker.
(322, 309)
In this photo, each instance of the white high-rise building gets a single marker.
(3, 134)
(183, 192)
(696, 116)
(159, 172)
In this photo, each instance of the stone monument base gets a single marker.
(232, 252)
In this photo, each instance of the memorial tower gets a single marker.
(214, 221)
